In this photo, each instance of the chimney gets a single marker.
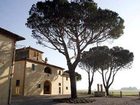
(46, 59)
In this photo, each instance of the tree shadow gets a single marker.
(34, 100)
(5, 55)
(6, 62)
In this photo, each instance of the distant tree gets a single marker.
(77, 75)
(110, 61)
(86, 64)
(129, 88)
(69, 27)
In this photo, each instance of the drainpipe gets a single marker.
(10, 74)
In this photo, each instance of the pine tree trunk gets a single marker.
(90, 81)
(89, 89)
(73, 84)
(89, 84)
(107, 91)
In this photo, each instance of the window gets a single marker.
(48, 70)
(17, 82)
(66, 88)
(34, 54)
(37, 56)
(59, 84)
(59, 73)
(38, 85)
(59, 90)
(33, 67)
(66, 78)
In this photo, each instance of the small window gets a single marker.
(35, 54)
(39, 86)
(59, 90)
(17, 82)
(59, 84)
(66, 78)
(33, 67)
(66, 88)
(59, 73)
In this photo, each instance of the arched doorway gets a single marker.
(47, 87)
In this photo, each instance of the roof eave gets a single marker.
(11, 35)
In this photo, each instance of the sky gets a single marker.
(14, 14)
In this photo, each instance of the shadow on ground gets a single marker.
(34, 100)
(48, 100)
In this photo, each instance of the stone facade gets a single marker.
(33, 76)
(7, 49)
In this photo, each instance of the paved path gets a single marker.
(47, 100)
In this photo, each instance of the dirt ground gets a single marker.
(48, 100)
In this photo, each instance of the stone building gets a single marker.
(34, 76)
(7, 50)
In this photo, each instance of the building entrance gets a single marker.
(47, 87)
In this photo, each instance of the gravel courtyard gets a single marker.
(47, 100)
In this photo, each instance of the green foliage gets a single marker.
(96, 57)
(52, 21)
(77, 75)
(103, 58)
(121, 57)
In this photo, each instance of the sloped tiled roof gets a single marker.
(25, 48)
(40, 62)
(11, 34)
